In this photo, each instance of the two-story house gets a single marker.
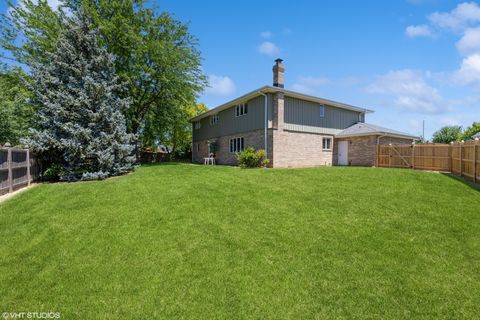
(295, 129)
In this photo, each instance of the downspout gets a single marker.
(378, 139)
(266, 121)
(378, 142)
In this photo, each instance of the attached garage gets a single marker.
(357, 145)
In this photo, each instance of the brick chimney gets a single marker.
(278, 72)
(278, 97)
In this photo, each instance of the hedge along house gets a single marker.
(296, 130)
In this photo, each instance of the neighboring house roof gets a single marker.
(367, 129)
(288, 93)
(477, 135)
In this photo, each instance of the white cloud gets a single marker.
(301, 88)
(265, 34)
(268, 48)
(464, 15)
(307, 84)
(469, 71)
(313, 81)
(220, 85)
(464, 19)
(451, 121)
(409, 91)
(470, 41)
(418, 31)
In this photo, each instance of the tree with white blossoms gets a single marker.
(80, 128)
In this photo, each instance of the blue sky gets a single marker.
(409, 60)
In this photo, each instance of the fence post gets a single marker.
(475, 161)
(10, 169)
(29, 178)
(450, 157)
(461, 158)
(413, 155)
(390, 155)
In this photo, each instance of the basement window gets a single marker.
(236, 144)
(322, 111)
(241, 109)
(327, 143)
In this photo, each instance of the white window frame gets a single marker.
(322, 111)
(213, 119)
(197, 125)
(241, 109)
(198, 147)
(237, 144)
(328, 144)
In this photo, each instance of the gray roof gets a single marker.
(477, 135)
(367, 129)
(288, 93)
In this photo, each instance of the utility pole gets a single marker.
(423, 130)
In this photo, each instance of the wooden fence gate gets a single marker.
(17, 169)
(462, 158)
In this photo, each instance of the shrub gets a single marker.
(53, 173)
(250, 158)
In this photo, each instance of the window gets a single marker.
(197, 125)
(214, 119)
(322, 111)
(327, 143)
(197, 147)
(241, 109)
(236, 144)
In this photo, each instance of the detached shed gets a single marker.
(357, 145)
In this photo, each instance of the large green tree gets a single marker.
(15, 111)
(447, 134)
(176, 132)
(155, 55)
(79, 126)
(29, 31)
(471, 131)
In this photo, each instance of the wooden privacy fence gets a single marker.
(18, 168)
(462, 158)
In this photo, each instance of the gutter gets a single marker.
(382, 134)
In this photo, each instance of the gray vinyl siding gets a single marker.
(301, 115)
(229, 124)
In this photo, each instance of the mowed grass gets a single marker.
(180, 241)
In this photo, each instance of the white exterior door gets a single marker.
(343, 153)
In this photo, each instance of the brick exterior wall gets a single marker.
(362, 150)
(223, 155)
(290, 149)
(299, 149)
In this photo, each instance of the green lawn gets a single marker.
(183, 241)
